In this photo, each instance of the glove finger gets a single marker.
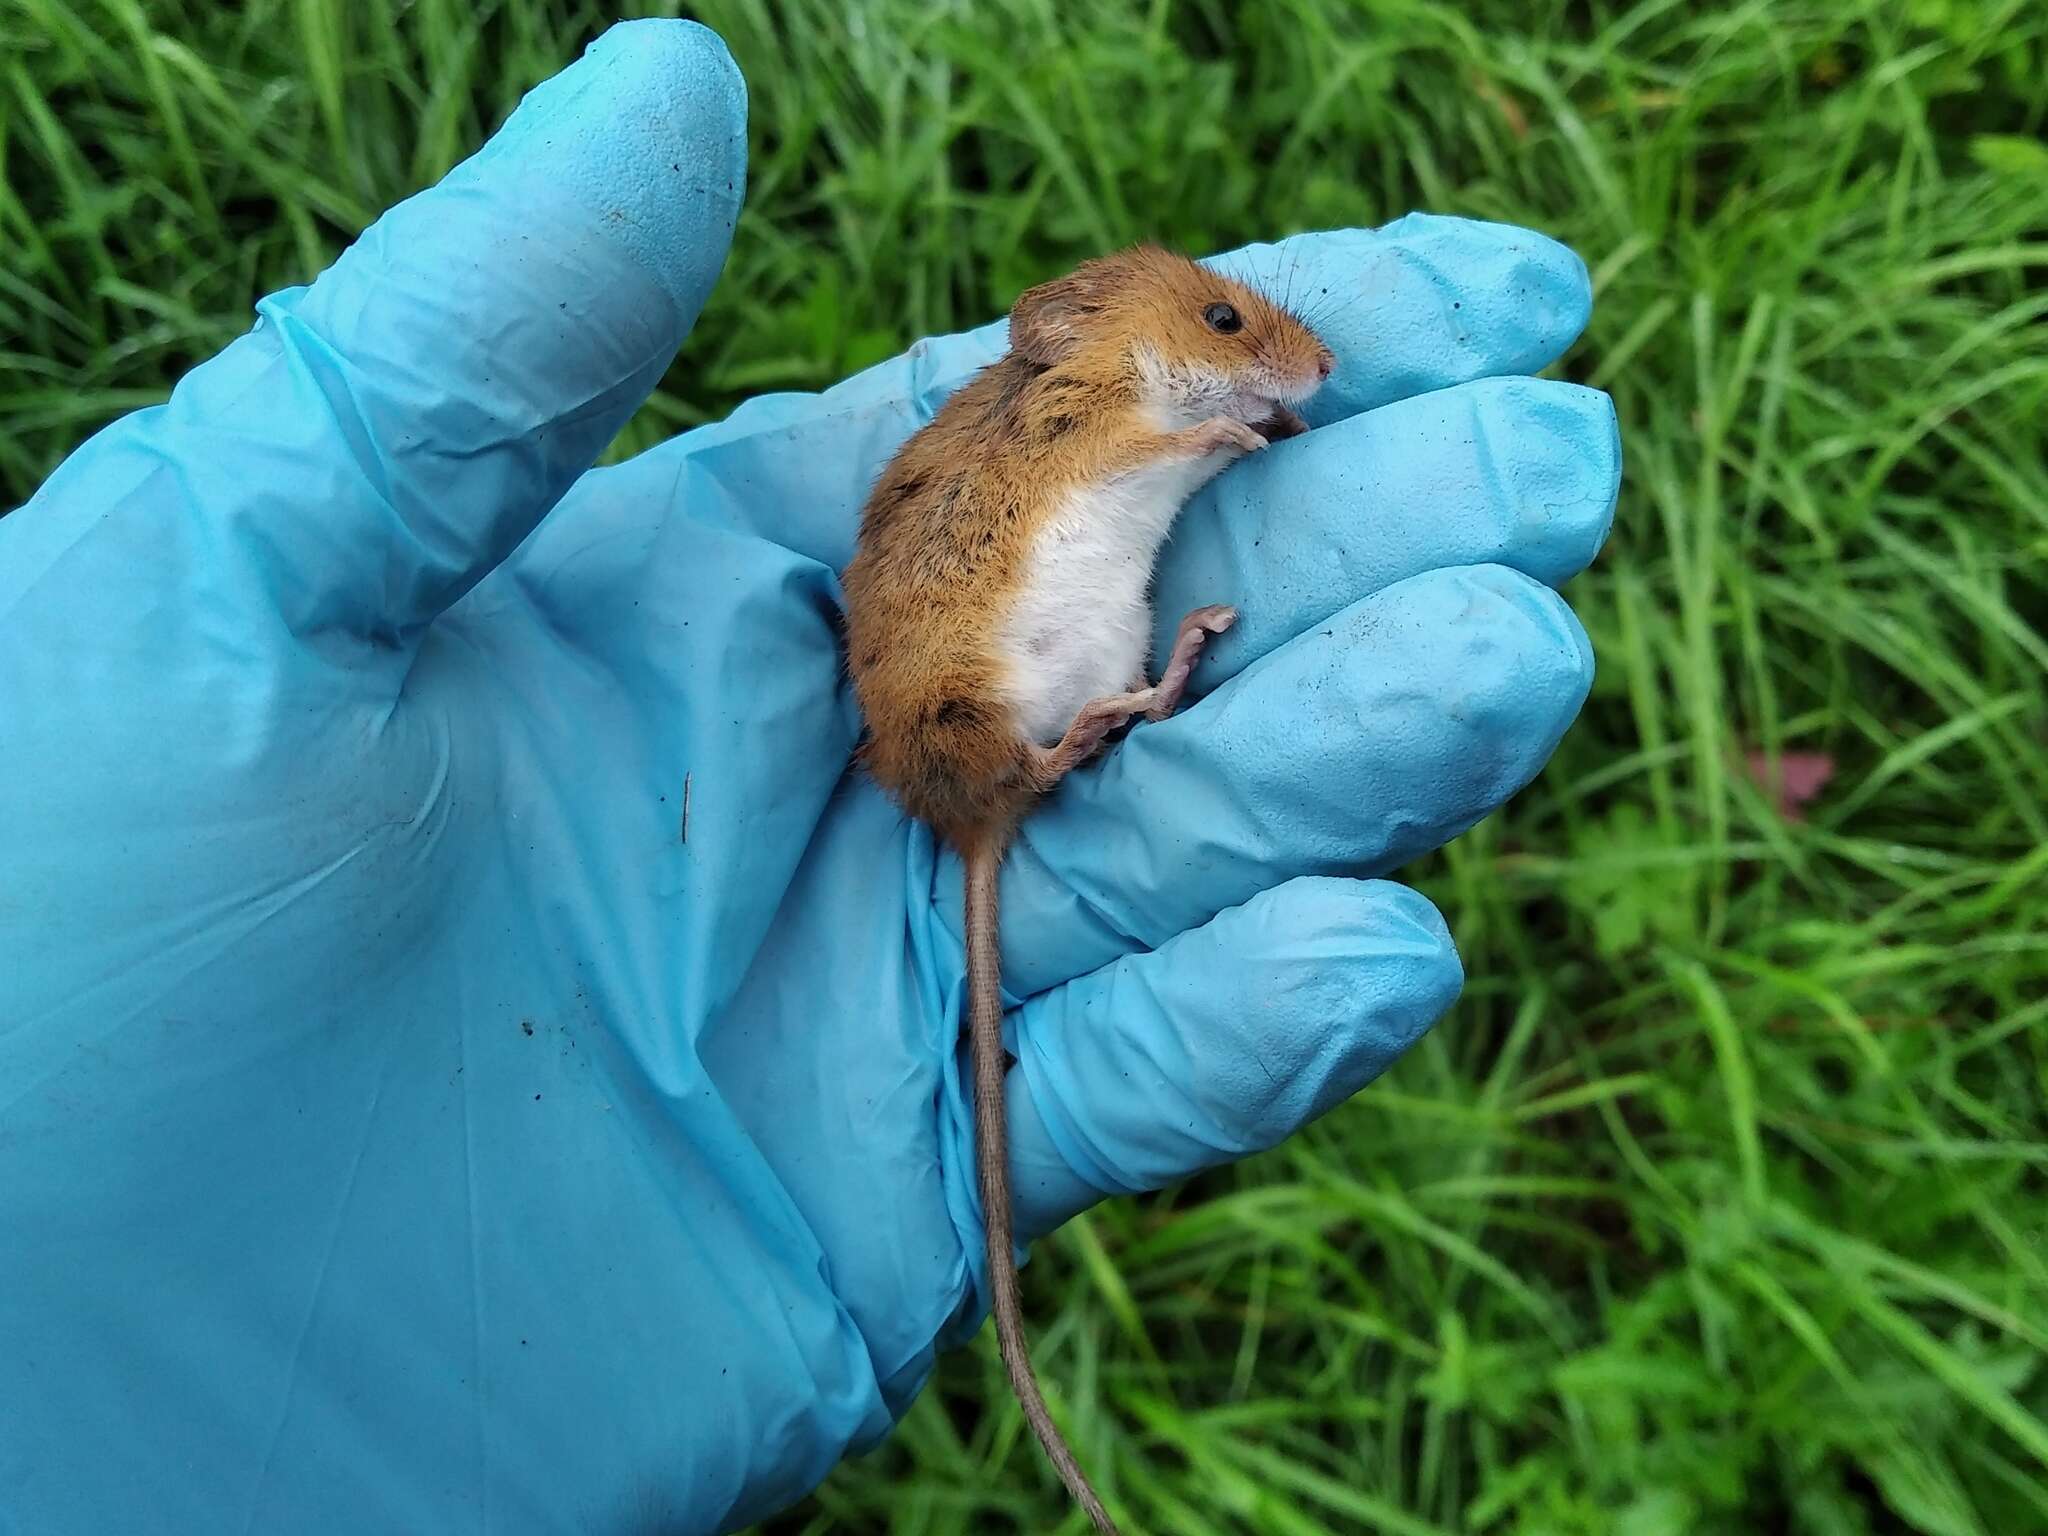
(1421, 303)
(1418, 305)
(385, 436)
(1517, 472)
(1371, 739)
(1221, 1043)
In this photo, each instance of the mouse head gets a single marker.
(1197, 343)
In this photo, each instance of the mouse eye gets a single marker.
(1222, 317)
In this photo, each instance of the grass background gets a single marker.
(1721, 1202)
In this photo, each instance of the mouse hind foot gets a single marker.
(1195, 630)
(1098, 717)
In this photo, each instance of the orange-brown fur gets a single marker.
(946, 543)
(950, 523)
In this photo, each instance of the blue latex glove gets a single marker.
(404, 1125)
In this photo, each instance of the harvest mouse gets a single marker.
(998, 603)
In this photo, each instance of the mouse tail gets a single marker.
(992, 1157)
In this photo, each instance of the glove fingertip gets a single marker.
(649, 133)
(1224, 1041)
(1409, 929)
(1385, 969)
(1550, 280)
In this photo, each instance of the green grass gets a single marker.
(1721, 1202)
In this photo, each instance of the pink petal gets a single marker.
(1797, 779)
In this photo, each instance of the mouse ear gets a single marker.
(1046, 321)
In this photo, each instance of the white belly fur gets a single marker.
(1080, 625)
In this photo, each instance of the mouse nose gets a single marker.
(1324, 364)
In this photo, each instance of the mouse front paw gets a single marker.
(1224, 434)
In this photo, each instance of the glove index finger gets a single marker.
(1423, 303)
(386, 435)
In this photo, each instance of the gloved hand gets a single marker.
(472, 1055)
